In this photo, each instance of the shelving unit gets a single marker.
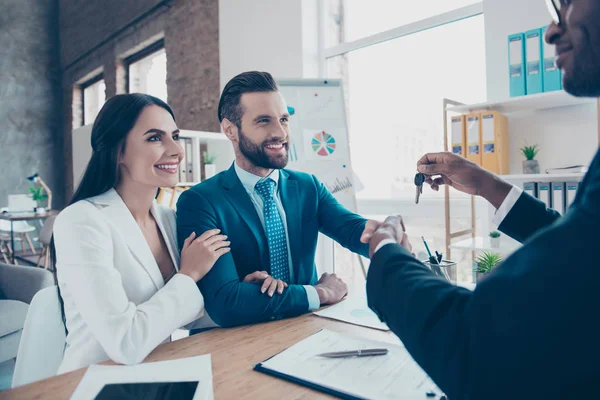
(542, 101)
(201, 141)
(510, 107)
(507, 245)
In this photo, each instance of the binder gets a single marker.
(190, 160)
(551, 74)
(544, 193)
(533, 50)
(183, 164)
(571, 193)
(494, 142)
(459, 145)
(516, 65)
(558, 197)
(473, 133)
(530, 188)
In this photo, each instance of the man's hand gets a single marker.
(463, 175)
(268, 283)
(369, 230)
(391, 229)
(330, 289)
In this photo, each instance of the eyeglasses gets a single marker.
(554, 9)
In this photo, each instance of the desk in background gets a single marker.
(23, 216)
(234, 353)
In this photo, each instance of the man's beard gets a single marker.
(584, 79)
(257, 154)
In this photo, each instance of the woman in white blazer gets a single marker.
(123, 286)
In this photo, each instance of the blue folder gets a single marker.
(516, 65)
(551, 74)
(533, 66)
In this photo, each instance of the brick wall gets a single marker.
(97, 37)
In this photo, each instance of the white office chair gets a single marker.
(21, 231)
(43, 340)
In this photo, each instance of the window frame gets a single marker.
(145, 52)
(84, 86)
(364, 206)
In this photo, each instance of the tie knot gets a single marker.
(265, 188)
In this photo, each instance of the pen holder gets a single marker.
(446, 270)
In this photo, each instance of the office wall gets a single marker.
(95, 38)
(268, 35)
(568, 136)
(29, 96)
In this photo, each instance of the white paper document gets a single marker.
(190, 369)
(353, 310)
(392, 376)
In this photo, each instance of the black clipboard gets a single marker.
(260, 368)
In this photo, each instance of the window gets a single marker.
(147, 71)
(350, 20)
(94, 96)
(394, 89)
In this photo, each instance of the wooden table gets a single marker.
(23, 216)
(234, 352)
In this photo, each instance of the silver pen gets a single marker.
(355, 353)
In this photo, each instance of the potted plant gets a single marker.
(495, 239)
(530, 165)
(210, 168)
(39, 197)
(485, 263)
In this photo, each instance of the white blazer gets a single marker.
(117, 305)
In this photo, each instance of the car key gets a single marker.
(419, 180)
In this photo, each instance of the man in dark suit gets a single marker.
(271, 215)
(531, 330)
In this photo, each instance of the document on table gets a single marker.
(392, 376)
(192, 369)
(353, 310)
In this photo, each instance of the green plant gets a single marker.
(209, 158)
(530, 151)
(38, 194)
(495, 234)
(487, 261)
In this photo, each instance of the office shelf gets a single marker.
(541, 101)
(507, 246)
(520, 178)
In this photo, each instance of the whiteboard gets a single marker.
(319, 135)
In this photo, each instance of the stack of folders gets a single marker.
(556, 195)
(482, 138)
(532, 64)
(186, 167)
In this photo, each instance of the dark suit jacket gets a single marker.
(222, 202)
(529, 331)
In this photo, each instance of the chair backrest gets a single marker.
(43, 340)
(46, 231)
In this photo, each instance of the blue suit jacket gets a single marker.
(222, 202)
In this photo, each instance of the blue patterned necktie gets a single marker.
(278, 251)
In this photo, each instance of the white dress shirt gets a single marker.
(249, 182)
(116, 303)
(501, 213)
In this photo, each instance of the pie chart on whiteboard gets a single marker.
(323, 144)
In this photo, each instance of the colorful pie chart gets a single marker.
(323, 144)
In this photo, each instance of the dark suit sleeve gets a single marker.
(228, 301)
(523, 332)
(527, 216)
(340, 224)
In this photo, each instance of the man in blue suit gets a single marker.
(272, 216)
